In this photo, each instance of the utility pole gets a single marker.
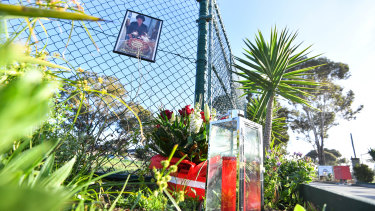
(355, 160)
(351, 137)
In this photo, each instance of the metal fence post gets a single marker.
(210, 49)
(201, 71)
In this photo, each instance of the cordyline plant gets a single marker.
(188, 130)
(267, 71)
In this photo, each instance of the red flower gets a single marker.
(186, 111)
(202, 116)
(166, 113)
(158, 126)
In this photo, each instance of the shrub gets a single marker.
(283, 175)
(363, 173)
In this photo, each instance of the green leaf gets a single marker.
(118, 197)
(15, 10)
(9, 53)
(294, 72)
(189, 141)
(59, 176)
(324, 207)
(172, 200)
(24, 163)
(298, 208)
(24, 105)
(29, 59)
(29, 199)
(46, 169)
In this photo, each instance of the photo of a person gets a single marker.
(137, 29)
(139, 36)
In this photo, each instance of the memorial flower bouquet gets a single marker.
(187, 129)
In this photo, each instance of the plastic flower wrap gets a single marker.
(187, 128)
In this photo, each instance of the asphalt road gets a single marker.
(361, 193)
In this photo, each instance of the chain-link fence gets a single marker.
(225, 94)
(168, 83)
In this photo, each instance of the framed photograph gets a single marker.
(139, 36)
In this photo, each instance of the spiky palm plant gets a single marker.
(279, 125)
(268, 70)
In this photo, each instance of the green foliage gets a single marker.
(23, 175)
(26, 97)
(28, 199)
(28, 171)
(187, 130)
(266, 71)
(372, 154)
(299, 208)
(363, 173)
(309, 207)
(30, 179)
(89, 114)
(279, 120)
(331, 100)
(145, 200)
(331, 156)
(14, 10)
(149, 200)
(282, 176)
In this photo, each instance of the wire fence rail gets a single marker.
(147, 87)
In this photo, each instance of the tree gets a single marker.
(331, 102)
(279, 130)
(101, 111)
(266, 71)
(98, 124)
(363, 173)
(96, 112)
(332, 156)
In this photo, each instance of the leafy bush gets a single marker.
(363, 173)
(148, 200)
(282, 176)
(144, 200)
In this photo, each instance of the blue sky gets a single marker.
(343, 30)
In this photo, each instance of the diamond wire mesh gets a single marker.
(225, 94)
(168, 83)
